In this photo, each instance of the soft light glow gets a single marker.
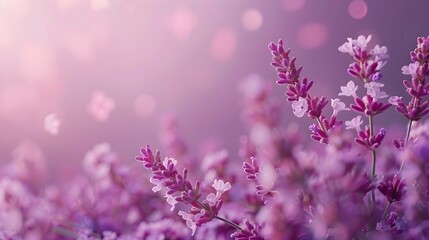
(52, 124)
(293, 5)
(182, 22)
(312, 35)
(251, 19)
(358, 9)
(224, 44)
(99, 5)
(145, 106)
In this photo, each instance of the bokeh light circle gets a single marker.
(224, 44)
(252, 19)
(293, 5)
(312, 35)
(358, 9)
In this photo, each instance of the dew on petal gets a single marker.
(358, 9)
(252, 19)
(312, 35)
(98, 5)
(224, 44)
(293, 5)
(182, 22)
(100, 106)
(52, 123)
(145, 106)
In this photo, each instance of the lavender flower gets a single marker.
(179, 188)
(393, 188)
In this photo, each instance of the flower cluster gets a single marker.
(296, 194)
(297, 92)
(180, 190)
(356, 185)
(417, 88)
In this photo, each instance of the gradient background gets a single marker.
(153, 57)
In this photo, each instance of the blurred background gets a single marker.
(75, 73)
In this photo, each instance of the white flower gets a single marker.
(394, 100)
(360, 42)
(347, 47)
(338, 106)
(157, 183)
(189, 221)
(380, 53)
(354, 123)
(411, 69)
(348, 90)
(166, 159)
(172, 201)
(220, 186)
(373, 90)
(212, 199)
(98, 161)
(300, 107)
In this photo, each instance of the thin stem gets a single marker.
(221, 218)
(385, 210)
(373, 157)
(407, 138)
(321, 125)
(373, 154)
(229, 223)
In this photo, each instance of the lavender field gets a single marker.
(246, 119)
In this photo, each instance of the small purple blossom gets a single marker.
(251, 169)
(369, 106)
(250, 231)
(393, 188)
(372, 142)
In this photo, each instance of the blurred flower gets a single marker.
(100, 106)
(52, 123)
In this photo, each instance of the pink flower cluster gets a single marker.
(292, 193)
(355, 185)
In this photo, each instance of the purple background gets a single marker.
(189, 56)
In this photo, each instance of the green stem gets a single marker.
(373, 158)
(407, 138)
(385, 210)
(229, 223)
(321, 125)
(221, 218)
(373, 155)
